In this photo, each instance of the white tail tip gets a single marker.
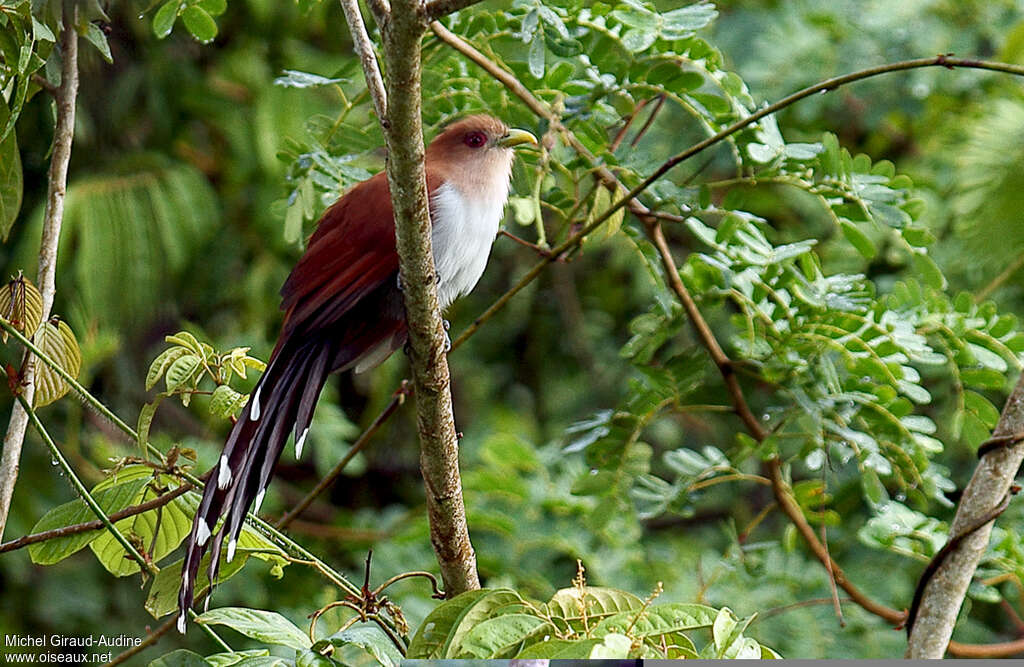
(300, 442)
(224, 474)
(259, 500)
(254, 411)
(181, 622)
(202, 533)
(231, 550)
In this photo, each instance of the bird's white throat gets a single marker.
(464, 228)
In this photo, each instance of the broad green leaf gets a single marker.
(371, 639)
(434, 636)
(235, 657)
(214, 7)
(11, 179)
(560, 649)
(97, 38)
(162, 363)
(199, 23)
(599, 603)
(182, 371)
(163, 21)
(613, 645)
(21, 305)
(226, 401)
(110, 500)
(659, 620)
(56, 339)
(499, 637)
(265, 626)
(161, 530)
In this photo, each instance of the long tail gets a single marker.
(282, 402)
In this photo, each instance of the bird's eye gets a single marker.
(475, 139)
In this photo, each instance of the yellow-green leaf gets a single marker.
(56, 339)
(21, 305)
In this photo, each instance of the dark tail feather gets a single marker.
(284, 398)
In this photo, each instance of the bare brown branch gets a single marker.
(95, 524)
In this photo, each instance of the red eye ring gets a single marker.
(475, 139)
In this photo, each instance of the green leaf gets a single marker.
(599, 603)
(987, 357)
(162, 363)
(165, 17)
(929, 271)
(163, 529)
(182, 371)
(265, 626)
(613, 645)
(371, 639)
(199, 23)
(180, 658)
(234, 657)
(983, 378)
(659, 620)
(637, 40)
(21, 305)
(225, 401)
(95, 36)
(56, 339)
(858, 239)
(11, 179)
(214, 7)
(440, 635)
(500, 637)
(688, 19)
(293, 78)
(110, 500)
(535, 57)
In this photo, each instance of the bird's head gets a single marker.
(480, 147)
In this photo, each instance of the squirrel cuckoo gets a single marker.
(343, 310)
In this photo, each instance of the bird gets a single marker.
(343, 310)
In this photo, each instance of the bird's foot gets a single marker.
(398, 283)
(447, 339)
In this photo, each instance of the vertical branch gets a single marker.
(402, 30)
(53, 216)
(364, 49)
(990, 484)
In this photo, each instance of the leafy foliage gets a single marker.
(848, 291)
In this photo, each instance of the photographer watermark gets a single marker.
(64, 649)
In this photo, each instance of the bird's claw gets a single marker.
(398, 282)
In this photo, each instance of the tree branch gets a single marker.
(945, 591)
(364, 49)
(96, 524)
(396, 400)
(57, 180)
(439, 451)
(438, 8)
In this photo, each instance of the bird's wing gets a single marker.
(351, 254)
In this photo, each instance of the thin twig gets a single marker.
(57, 182)
(152, 639)
(438, 8)
(367, 58)
(96, 524)
(396, 400)
(998, 281)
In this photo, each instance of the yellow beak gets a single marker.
(516, 137)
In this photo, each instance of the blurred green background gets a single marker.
(175, 219)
